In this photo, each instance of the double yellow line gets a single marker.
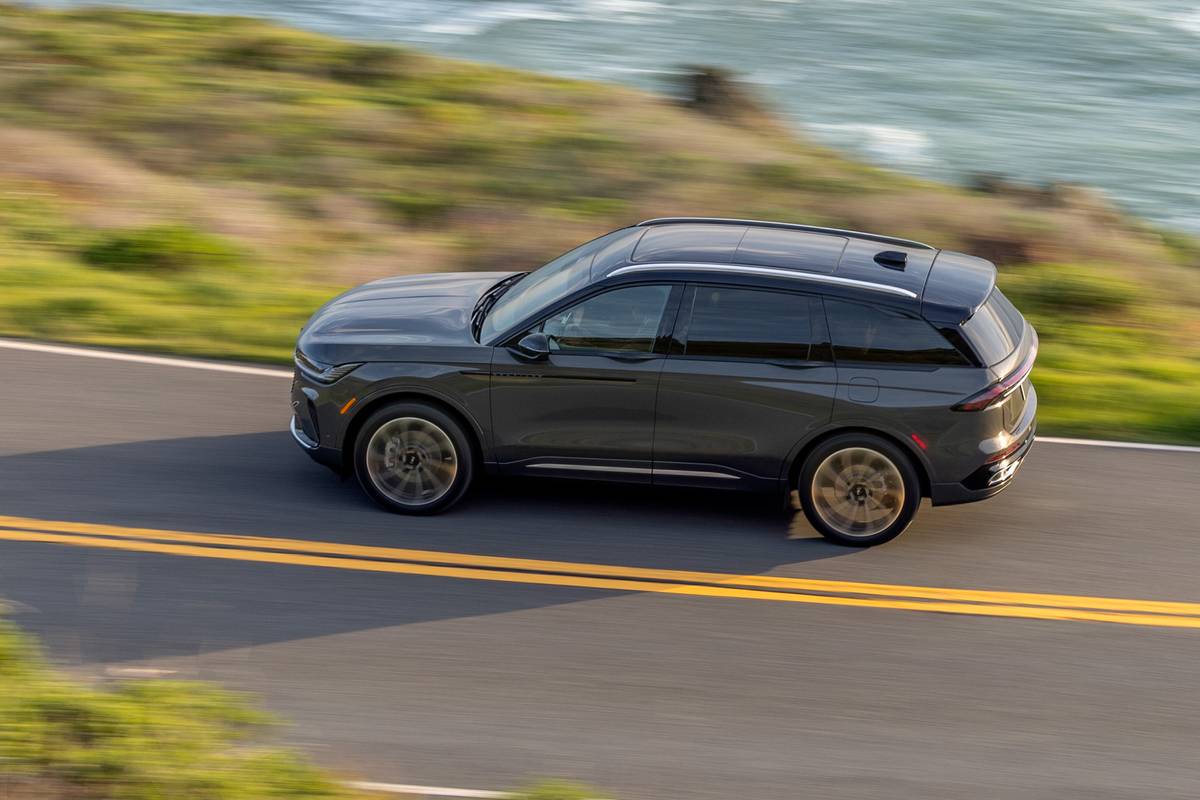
(332, 555)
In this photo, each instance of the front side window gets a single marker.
(563, 275)
(871, 334)
(749, 324)
(623, 320)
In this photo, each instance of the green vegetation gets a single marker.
(557, 790)
(163, 249)
(199, 184)
(136, 740)
(151, 740)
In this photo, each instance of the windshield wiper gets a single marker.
(489, 299)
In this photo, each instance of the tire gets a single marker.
(413, 458)
(859, 490)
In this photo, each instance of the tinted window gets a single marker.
(995, 330)
(546, 284)
(744, 323)
(878, 335)
(623, 319)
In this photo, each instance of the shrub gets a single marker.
(601, 207)
(271, 51)
(369, 64)
(163, 249)
(1073, 288)
(34, 216)
(418, 208)
(785, 175)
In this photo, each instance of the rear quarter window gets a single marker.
(995, 330)
(864, 333)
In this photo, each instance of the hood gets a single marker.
(419, 310)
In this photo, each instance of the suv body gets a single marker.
(699, 352)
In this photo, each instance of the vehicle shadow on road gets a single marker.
(98, 605)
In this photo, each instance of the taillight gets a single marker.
(1006, 452)
(1001, 388)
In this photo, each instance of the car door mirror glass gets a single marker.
(534, 346)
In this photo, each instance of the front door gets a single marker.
(587, 410)
(750, 376)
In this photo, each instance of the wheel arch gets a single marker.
(906, 447)
(363, 412)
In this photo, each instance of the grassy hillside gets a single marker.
(198, 184)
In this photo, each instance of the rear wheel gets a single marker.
(413, 458)
(859, 490)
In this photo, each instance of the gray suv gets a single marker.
(861, 372)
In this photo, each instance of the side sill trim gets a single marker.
(689, 473)
(592, 468)
(696, 473)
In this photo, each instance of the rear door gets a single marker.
(749, 376)
(895, 369)
(588, 409)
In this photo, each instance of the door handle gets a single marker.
(631, 357)
(798, 364)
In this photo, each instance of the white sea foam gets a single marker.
(618, 8)
(482, 18)
(1189, 22)
(886, 143)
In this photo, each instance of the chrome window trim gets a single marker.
(770, 271)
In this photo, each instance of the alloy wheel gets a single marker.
(411, 461)
(858, 492)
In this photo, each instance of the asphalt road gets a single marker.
(418, 678)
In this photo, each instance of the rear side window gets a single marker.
(749, 323)
(995, 329)
(882, 336)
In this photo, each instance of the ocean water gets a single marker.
(1098, 92)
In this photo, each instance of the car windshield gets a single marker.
(541, 287)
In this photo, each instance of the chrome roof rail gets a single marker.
(774, 272)
(874, 237)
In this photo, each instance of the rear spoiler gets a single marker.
(957, 285)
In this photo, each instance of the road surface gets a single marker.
(649, 683)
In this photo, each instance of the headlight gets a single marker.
(323, 373)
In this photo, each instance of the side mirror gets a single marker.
(533, 346)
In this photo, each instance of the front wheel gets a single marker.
(413, 458)
(859, 490)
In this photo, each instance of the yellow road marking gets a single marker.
(582, 581)
(139, 543)
(770, 582)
